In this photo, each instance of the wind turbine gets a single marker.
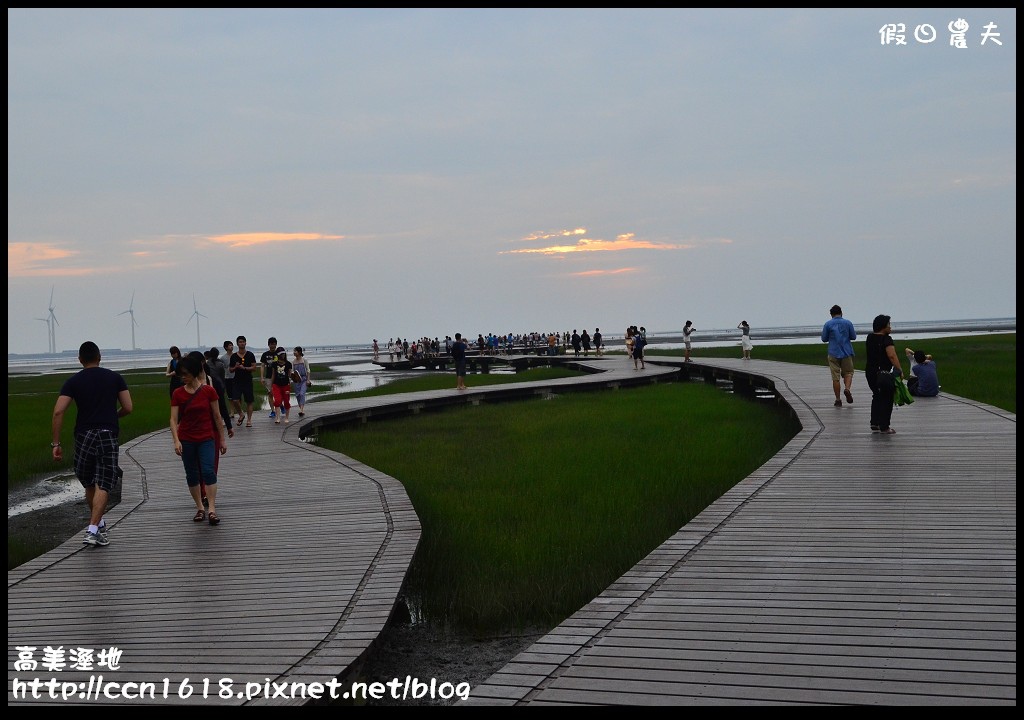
(131, 313)
(196, 314)
(51, 323)
(49, 333)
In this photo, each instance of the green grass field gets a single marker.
(530, 508)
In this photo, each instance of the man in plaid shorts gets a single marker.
(101, 397)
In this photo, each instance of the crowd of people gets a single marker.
(223, 385)
(549, 343)
(225, 389)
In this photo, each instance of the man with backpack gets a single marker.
(639, 341)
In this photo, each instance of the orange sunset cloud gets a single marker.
(26, 259)
(591, 273)
(555, 233)
(250, 239)
(626, 241)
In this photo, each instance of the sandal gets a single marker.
(248, 424)
(214, 520)
(240, 419)
(199, 516)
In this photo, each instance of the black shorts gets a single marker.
(242, 390)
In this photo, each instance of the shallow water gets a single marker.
(48, 492)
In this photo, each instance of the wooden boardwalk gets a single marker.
(293, 586)
(852, 568)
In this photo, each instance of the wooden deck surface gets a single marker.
(293, 586)
(851, 568)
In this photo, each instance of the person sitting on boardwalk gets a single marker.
(925, 379)
(101, 397)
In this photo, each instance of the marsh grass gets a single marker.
(531, 508)
(980, 367)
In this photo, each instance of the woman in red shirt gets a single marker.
(195, 425)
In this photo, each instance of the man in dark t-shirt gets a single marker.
(267, 361)
(459, 356)
(243, 364)
(101, 397)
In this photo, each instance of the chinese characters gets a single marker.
(925, 33)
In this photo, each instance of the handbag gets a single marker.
(901, 393)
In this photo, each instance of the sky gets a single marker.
(334, 176)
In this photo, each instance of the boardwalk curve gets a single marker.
(850, 568)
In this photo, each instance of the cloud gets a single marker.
(626, 241)
(554, 233)
(26, 259)
(617, 271)
(249, 239)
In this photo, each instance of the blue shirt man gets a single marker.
(839, 333)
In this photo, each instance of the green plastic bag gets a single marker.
(901, 394)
